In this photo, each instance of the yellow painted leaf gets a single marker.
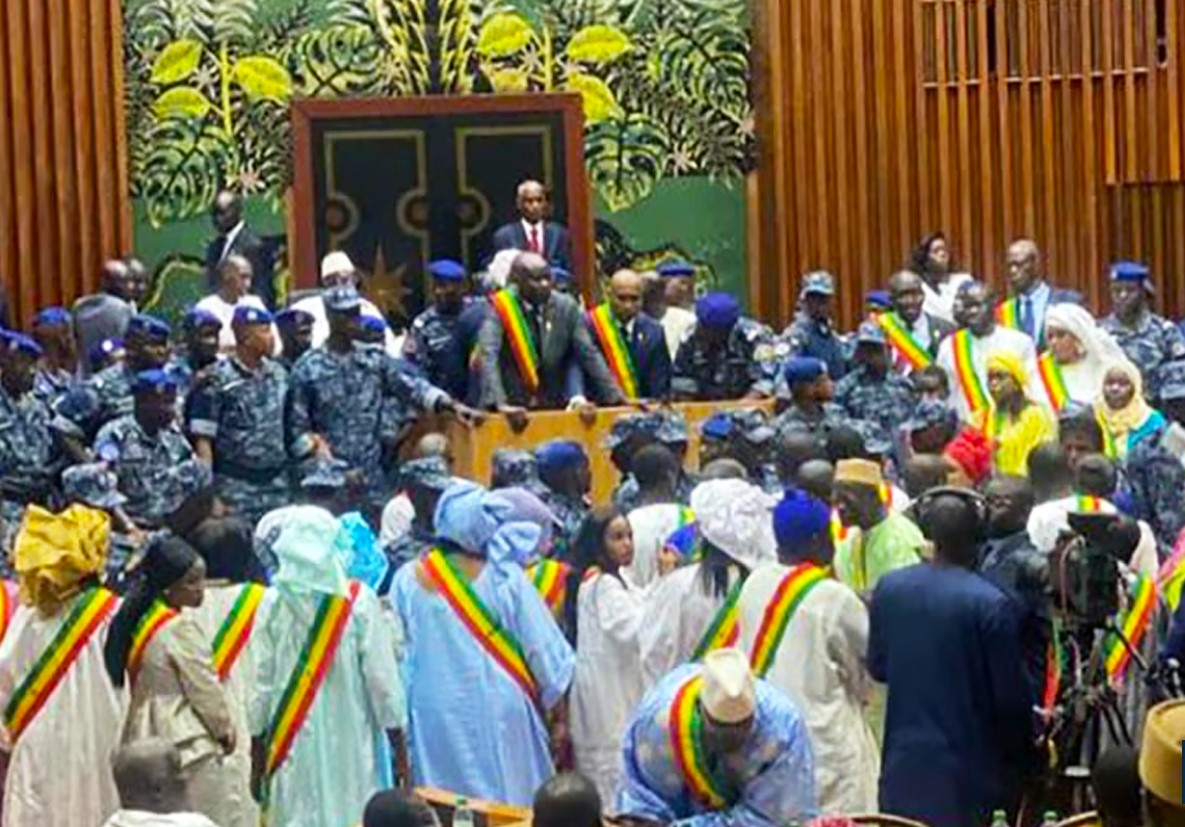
(181, 102)
(504, 34)
(598, 44)
(176, 61)
(263, 77)
(599, 100)
(508, 80)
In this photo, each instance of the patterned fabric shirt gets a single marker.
(432, 344)
(1149, 345)
(29, 457)
(242, 412)
(146, 466)
(888, 401)
(745, 364)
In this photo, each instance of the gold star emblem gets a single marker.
(386, 288)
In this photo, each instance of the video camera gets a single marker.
(1084, 569)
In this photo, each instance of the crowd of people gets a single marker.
(242, 579)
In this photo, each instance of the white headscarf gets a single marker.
(485, 524)
(310, 545)
(1084, 378)
(737, 518)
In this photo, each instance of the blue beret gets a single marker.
(147, 325)
(803, 369)
(294, 316)
(198, 317)
(560, 274)
(20, 343)
(717, 426)
(800, 517)
(373, 324)
(251, 315)
(559, 454)
(676, 269)
(1129, 271)
(51, 316)
(342, 298)
(717, 310)
(879, 298)
(446, 269)
(154, 381)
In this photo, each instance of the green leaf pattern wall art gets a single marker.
(664, 82)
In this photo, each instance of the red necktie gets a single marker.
(534, 241)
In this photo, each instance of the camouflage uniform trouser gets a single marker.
(251, 499)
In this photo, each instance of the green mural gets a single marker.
(669, 127)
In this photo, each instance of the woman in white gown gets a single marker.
(1076, 361)
(736, 533)
(608, 614)
(58, 751)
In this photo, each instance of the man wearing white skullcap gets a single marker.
(337, 270)
(712, 745)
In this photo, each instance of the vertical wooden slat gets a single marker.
(23, 162)
(963, 121)
(904, 86)
(1071, 184)
(84, 149)
(8, 246)
(1130, 152)
(1173, 92)
(122, 205)
(882, 161)
(923, 134)
(104, 128)
(65, 218)
(1090, 203)
(1048, 227)
(863, 190)
(1004, 123)
(839, 130)
(1109, 134)
(1026, 125)
(943, 125)
(987, 168)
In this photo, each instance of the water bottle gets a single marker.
(999, 818)
(462, 815)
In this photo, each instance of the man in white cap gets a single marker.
(336, 270)
(711, 745)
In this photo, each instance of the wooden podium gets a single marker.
(399, 182)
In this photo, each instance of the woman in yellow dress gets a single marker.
(1013, 423)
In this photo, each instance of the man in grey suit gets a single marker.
(105, 315)
(564, 355)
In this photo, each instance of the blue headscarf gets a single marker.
(484, 524)
(366, 562)
(800, 517)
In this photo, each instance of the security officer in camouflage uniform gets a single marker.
(628, 435)
(1150, 341)
(431, 341)
(199, 329)
(29, 453)
(108, 394)
(673, 434)
(812, 333)
(723, 355)
(350, 403)
(296, 335)
(872, 390)
(515, 468)
(53, 330)
(424, 480)
(564, 469)
(235, 418)
(148, 452)
(1155, 472)
(811, 392)
(744, 436)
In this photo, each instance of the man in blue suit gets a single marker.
(622, 316)
(532, 232)
(1031, 293)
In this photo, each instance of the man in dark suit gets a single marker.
(528, 341)
(1030, 295)
(532, 232)
(620, 319)
(234, 237)
(906, 324)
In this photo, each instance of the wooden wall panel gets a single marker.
(883, 120)
(63, 169)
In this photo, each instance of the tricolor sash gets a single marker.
(839, 531)
(615, 348)
(159, 615)
(969, 382)
(1053, 668)
(483, 624)
(311, 669)
(795, 585)
(88, 613)
(1053, 382)
(550, 578)
(687, 745)
(518, 334)
(903, 342)
(235, 630)
(1110, 447)
(1088, 504)
(1135, 623)
(1008, 314)
(722, 631)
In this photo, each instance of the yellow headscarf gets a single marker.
(1010, 363)
(1125, 420)
(54, 553)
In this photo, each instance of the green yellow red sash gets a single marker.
(550, 578)
(907, 347)
(1052, 380)
(88, 613)
(7, 607)
(309, 674)
(1135, 624)
(969, 381)
(616, 349)
(722, 631)
(159, 614)
(518, 334)
(235, 630)
(839, 531)
(1008, 314)
(1110, 447)
(1053, 668)
(687, 744)
(1088, 504)
(485, 627)
(795, 585)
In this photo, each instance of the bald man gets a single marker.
(1029, 294)
(531, 231)
(621, 320)
(152, 791)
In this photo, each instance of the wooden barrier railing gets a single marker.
(474, 447)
